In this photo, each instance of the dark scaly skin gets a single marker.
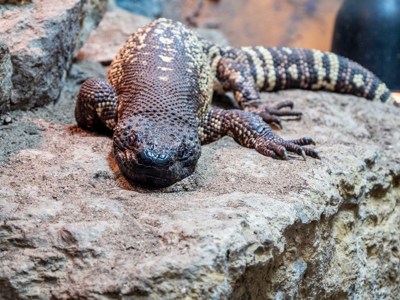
(159, 89)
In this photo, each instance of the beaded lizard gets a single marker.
(159, 89)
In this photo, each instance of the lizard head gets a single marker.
(153, 153)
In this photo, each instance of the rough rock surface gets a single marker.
(43, 37)
(242, 227)
(5, 77)
(114, 29)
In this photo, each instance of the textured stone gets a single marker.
(242, 227)
(43, 37)
(114, 29)
(84, 69)
(5, 77)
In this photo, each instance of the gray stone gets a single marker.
(242, 227)
(43, 37)
(106, 40)
(84, 69)
(148, 8)
(5, 77)
(7, 120)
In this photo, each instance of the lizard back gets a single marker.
(161, 67)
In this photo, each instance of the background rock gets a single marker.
(300, 23)
(5, 77)
(113, 31)
(242, 227)
(42, 38)
(115, 28)
(148, 8)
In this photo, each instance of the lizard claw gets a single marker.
(269, 144)
(303, 154)
(272, 115)
(271, 119)
(284, 103)
(304, 141)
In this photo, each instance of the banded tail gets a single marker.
(286, 68)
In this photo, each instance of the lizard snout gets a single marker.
(153, 159)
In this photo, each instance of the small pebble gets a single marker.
(7, 120)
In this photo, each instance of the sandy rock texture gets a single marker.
(243, 226)
(42, 38)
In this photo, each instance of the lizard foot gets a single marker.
(250, 131)
(269, 144)
(96, 106)
(272, 115)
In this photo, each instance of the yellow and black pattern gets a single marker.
(249, 130)
(159, 89)
(96, 106)
(317, 70)
(273, 69)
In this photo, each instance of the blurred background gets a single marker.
(365, 31)
(296, 23)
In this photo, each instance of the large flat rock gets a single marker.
(242, 227)
(42, 38)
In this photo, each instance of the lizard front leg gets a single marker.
(249, 130)
(96, 106)
(235, 76)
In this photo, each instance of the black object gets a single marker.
(368, 32)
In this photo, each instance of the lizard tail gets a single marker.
(288, 68)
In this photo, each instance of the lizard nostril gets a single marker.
(151, 158)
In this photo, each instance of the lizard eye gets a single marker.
(184, 152)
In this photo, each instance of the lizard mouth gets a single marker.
(155, 177)
(154, 171)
